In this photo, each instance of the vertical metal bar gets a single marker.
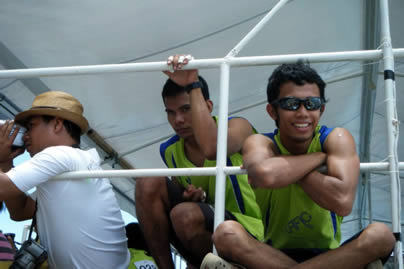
(371, 40)
(256, 29)
(392, 127)
(221, 154)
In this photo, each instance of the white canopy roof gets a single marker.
(126, 109)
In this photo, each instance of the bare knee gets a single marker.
(228, 233)
(377, 239)
(187, 220)
(147, 189)
(226, 230)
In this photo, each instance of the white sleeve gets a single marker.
(43, 166)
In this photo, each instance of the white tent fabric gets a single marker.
(126, 109)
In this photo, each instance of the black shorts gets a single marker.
(301, 255)
(208, 211)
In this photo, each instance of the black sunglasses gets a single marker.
(293, 103)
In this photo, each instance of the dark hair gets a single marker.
(1, 206)
(298, 73)
(135, 237)
(171, 89)
(73, 130)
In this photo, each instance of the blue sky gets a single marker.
(9, 226)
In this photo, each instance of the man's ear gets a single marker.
(58, 124)
(272, 111)
(209, 103)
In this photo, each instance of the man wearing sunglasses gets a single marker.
(302, 208)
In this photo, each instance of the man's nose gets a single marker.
(179, 118)
(25, 136)
(302, 109)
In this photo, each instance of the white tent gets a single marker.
(125, 110)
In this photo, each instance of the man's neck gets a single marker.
(66, 140)
(296, 147)
(193, 152)
(191, 142)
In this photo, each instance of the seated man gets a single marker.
(78, 220)
(302, 208)
(180, 211)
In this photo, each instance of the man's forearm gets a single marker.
(280, 171)
(203, 125)
(328, 192)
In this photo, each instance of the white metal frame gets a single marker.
(387, 53)
(392, 129)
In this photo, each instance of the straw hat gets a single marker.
(58, 104)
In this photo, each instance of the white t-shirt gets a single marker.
(79, 220)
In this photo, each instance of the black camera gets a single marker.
(29, 256)
(18, 142)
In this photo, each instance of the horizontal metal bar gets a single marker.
(208, 171)
(201, 64)
(98, 69)
(128, 173)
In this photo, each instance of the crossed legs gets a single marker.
(234, 244)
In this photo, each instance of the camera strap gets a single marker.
(33, 221)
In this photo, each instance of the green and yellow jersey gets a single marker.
(240, 197)
(292, 220)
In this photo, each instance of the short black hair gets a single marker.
(298, 73)
(73, 129)
(171, 89)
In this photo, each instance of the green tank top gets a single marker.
(292, 220)
(240, 197)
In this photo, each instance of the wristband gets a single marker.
(193, 85)
(203, 198)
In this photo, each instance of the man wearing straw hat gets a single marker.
(78, 220)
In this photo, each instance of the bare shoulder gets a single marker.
(259, 142)
(340, 141)
(239, 129)
(239, 122)
(258, 139)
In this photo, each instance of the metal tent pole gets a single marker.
(360, 55)
(369, 82)
(256, 28)
(221, 154)
(392, 128)
(208, 171)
